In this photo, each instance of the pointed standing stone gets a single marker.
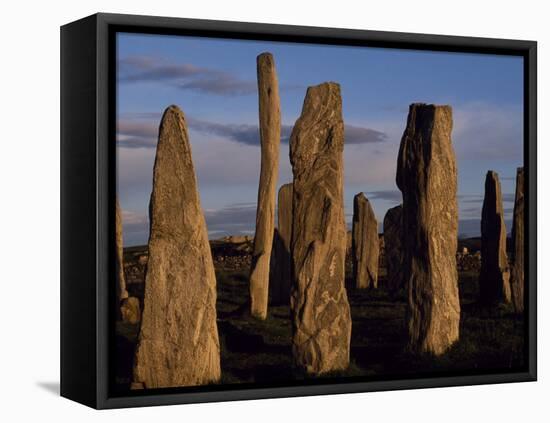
(494, 276)
(270, 137)
(393, 235)
(178, 341)
(427, 177)
(280, 285)
(319, 305)
(365, 244)
(518, 246)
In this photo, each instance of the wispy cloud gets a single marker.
(232, 219)
(388, 195)
(141, 132)
(184, 76)
(488, 131)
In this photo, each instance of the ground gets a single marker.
(254, 351)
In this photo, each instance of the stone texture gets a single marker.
(393, 235)
(319, 305)
(518, 246)
(280, 282)
(494, 276)
(121, 292)
(427, 177)
(270, 138)
(178, 341)
(130, 310)
(365, 243)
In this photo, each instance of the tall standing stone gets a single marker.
(319, 305)
(365, 244)
(121, 292)
(178, 341)
(494, 276)
(518, 246)
(393, 235)
(270, 137)
(280, 284)
(427, 177)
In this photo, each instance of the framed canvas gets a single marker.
(258, 211)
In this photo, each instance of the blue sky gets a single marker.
(214, 83)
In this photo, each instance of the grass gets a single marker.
(254, 351)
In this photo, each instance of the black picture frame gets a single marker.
(87, 199)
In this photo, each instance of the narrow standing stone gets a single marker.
(319, 304)
(494, 276)
(427, 177)
(280, 285)
(365, 244)
(121, 291)
(393, 235)
(270, 137)
(178, 341)
(518, 246)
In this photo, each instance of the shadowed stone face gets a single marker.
(393, 234)
(365, 244)
(320, 310)
(270, 137)
(427, 177)
(518, 246)
(178, 341)
(494, 276)
(280, 283)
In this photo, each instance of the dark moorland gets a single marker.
(254, 351)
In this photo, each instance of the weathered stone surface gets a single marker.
(393, 235)
(130, 310)
(178, 341)
(121, 292)
(365, 243)
(280, 283)
(494, 276)
(518, 246)
(427, 177)
(320, 309)
(270, 137)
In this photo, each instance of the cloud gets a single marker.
(184, 76)
(488, 131)
(222, 84)
(385, 195)
(136, 134)
(135, 227)
(141, 132)
(232, 219)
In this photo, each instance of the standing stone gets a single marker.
(121, 292)
(280, 285)
(365, 244)
(270, 137)
(494, 276)
(320, 310)
(178, 341)
(130, 310)
(393, 234)
(518, 246)
(427, 177)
